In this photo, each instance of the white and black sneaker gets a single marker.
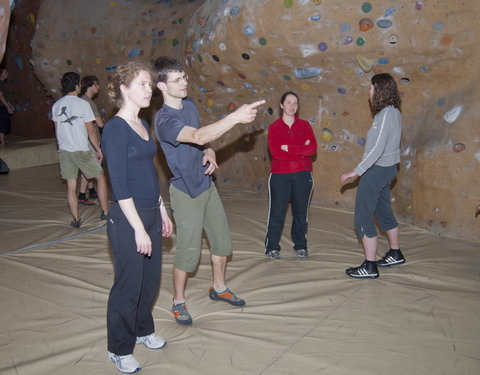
(274, 254)
(391, 258)
(366, 270)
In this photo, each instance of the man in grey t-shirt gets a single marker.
(194, 199)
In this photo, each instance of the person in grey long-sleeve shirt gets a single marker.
(377, 169)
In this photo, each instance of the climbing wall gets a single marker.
(240, 51)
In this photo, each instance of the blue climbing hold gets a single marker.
(303, 73)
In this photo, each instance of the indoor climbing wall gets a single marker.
(240, 51)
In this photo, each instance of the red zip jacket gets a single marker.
(299, 156)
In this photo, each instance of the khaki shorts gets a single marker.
(71, 162)
(192, 216)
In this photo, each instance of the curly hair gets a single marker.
(385, 93)
(124, 75)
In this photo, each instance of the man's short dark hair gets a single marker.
(87, 82)
(164, 65)
(69, 82)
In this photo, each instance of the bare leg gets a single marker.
(83, 184)
(392, 236)
(179, 283)
(370, 248)
(102, 192)
(219, 265)
(72, 198)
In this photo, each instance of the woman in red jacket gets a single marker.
(292, 144)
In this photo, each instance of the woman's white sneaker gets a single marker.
(125, 363)
(152, 341)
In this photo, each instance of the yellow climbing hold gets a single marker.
(209, 103)
(364, 63)
(98, 60)
(326, 135)
(304, 87)
(31, 18)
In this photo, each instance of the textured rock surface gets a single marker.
(239, 51)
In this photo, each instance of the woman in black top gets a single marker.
(136, 220)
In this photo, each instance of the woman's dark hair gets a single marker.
(284, 97)
(385, 93)
(164, 65)
(87, 81)
(69, 82)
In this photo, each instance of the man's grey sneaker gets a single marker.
(125, 363)
(181, 314)
(76, 223)
(302, 253)
(152, 341)
(365, 270)
(391, 258)
(226, 296)
(274, 254)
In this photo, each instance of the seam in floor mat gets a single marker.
(43, 244)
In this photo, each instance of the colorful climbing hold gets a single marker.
(288, 3)
(365, 24)
(246, 56)
(384, 24)
(361, 141)
(249, 29)
(216, 58)
(383, 61)
(364, 63)
(458, 147)
(262, 41)
(367, 7)
(446, 40)
(322, 46)
(393, 39)
(303, 73)
(326, 134)
(201, 21)
(315, 17)
(304, 87)
(341, 90)
(438, 25)
(418, 5)
(453, 114)
(347, 40)
(360, 41)
(286, 77)
(235, 11)
(69, 62)
(345, 28)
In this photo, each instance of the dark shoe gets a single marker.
(273, 254)
(365, 270)
(226, 296)
(103, 216)
(391, 258)
(85, 202)
(92, 193)
(76, 223)
(302, 253)
(181, 314)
